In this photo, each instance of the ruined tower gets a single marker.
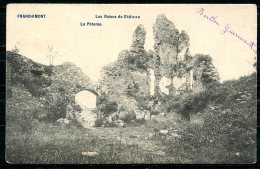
(171, 56)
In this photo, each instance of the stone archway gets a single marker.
(87, 100)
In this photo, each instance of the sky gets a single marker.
(92, 47)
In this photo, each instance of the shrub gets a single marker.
(189, 104)
(98, 122)
(142, 102)
(56, 105)
(77, 108)
(126, 116)
(108, 107)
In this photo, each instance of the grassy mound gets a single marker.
(222, 129)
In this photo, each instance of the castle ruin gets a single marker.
(173, 68)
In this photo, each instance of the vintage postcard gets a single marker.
(131, 84)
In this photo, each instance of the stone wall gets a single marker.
(171, 48)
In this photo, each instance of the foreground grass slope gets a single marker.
(224, 131)
(31, 141)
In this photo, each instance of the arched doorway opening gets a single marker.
(87, 100)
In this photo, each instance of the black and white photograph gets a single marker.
(131, 83)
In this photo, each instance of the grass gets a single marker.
(226, 134)
(204, 142)
(55, 145)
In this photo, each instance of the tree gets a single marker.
(205, 70)
(16, 48)
(51, 54)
